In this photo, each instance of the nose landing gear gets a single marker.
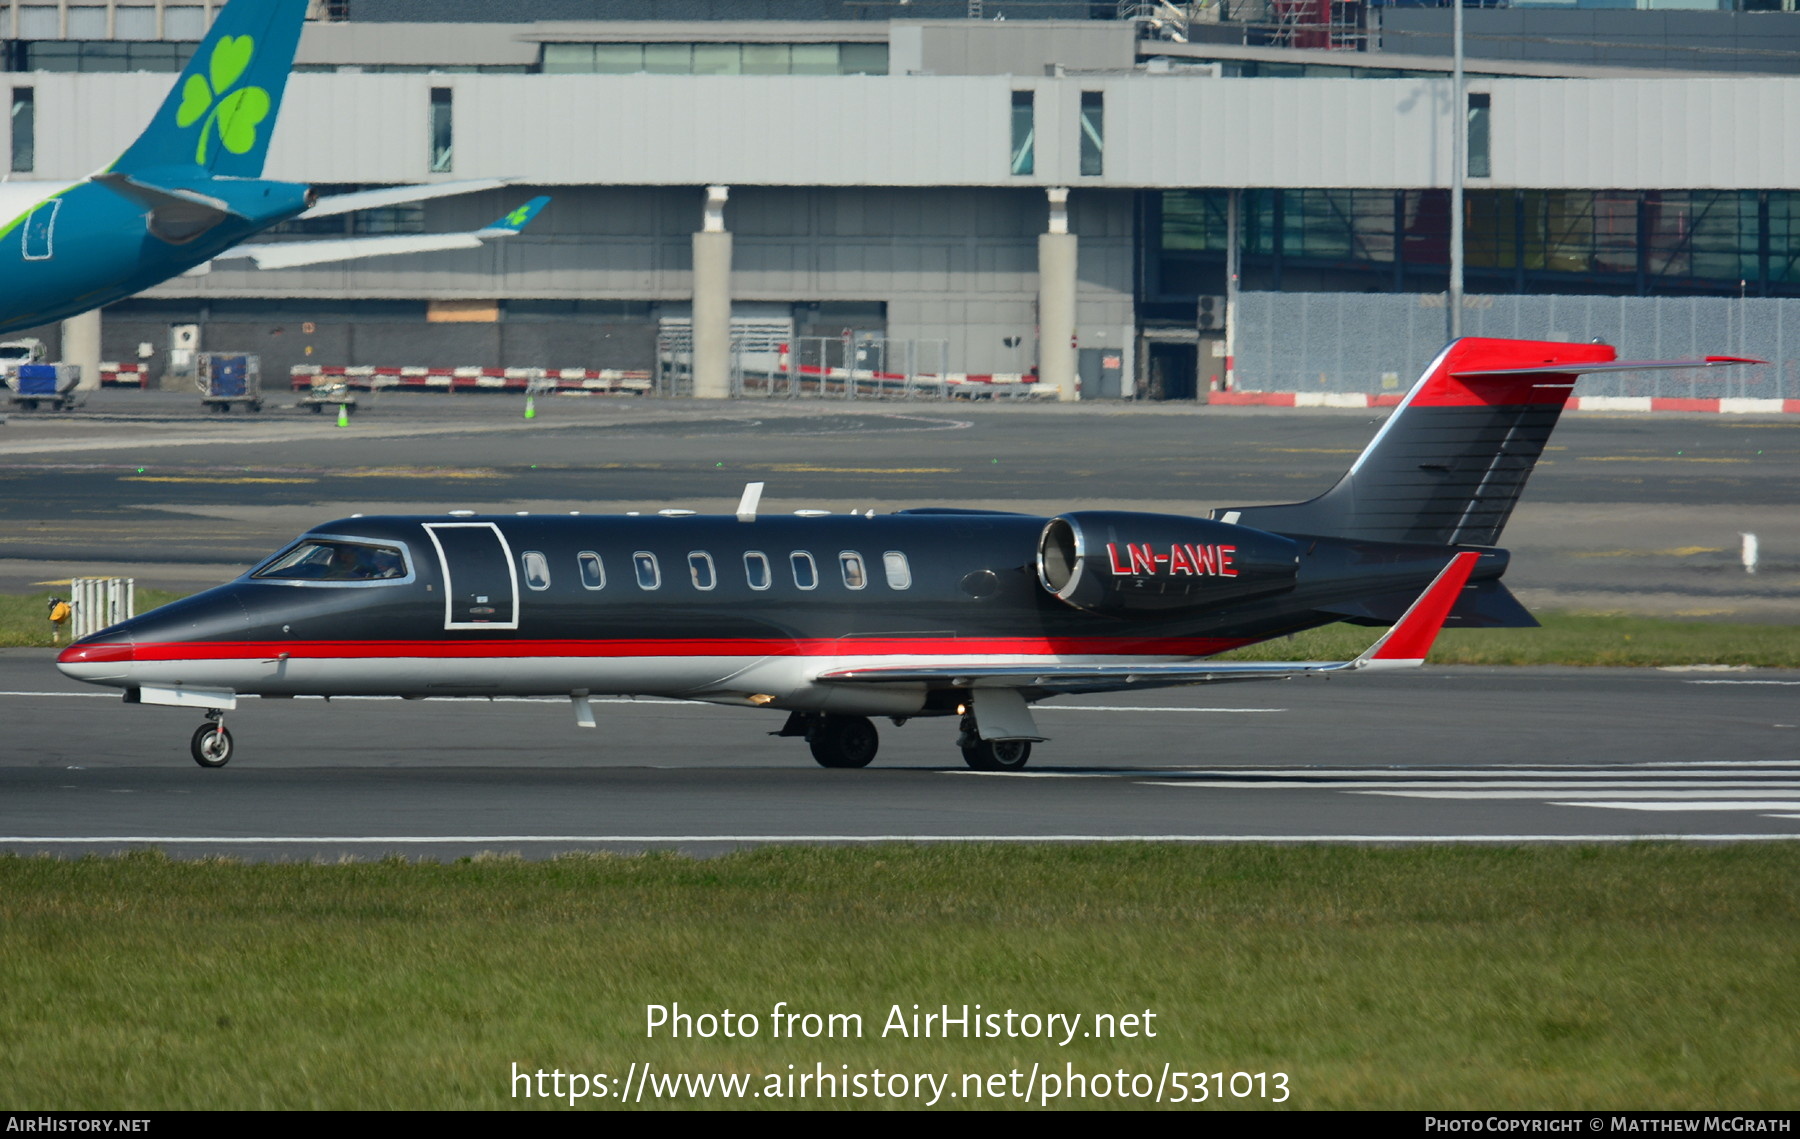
(211, 745)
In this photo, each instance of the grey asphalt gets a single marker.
(1627, 513)
(1639, 514)
(1303, 759)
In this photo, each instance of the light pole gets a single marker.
(1459, 126)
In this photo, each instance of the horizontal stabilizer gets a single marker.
(175, 215)
(1483, 605)
(1403, 646)
(1615, 366)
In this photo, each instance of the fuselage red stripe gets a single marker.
(475, 648)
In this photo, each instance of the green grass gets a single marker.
(1639, 976)
(1565, 639)
(25, 619)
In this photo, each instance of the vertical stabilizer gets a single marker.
(221, 111)
(1450, 463)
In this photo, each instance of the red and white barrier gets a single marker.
(371, 378)
(123, 375)
(1739, 406)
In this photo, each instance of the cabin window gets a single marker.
(537, 569)
(856, 575)
(899, 574)
(649, 574)
(756, 570)
(593, 573)
(700, 569)
(321, 560)
(806, 571)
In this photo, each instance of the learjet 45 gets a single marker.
(966, 615)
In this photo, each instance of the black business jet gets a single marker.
(835, 618)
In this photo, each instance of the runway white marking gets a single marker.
(506, 839)
(1720, 805)
(1135, 708)
(89, 695)
(1523, 789)
(442, 699)
(1761, 786)
(1789, 683)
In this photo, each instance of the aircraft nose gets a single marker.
(98, 662)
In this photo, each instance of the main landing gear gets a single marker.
(211, 746)
(852, 741)
(843, 741)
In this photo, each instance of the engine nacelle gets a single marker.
(1108, 561)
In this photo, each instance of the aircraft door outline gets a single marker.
(40, 230)
(477, 601)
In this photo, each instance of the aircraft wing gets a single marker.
(288, 254)
(397, 195)
(1403, 646)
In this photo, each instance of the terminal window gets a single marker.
(1479, 109)
(1024, 134)
(441, 134)
(24, 130)
(715, 59)
(1093, 132)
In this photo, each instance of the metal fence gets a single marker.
(862, 367)
(1381, 342)
(96, 602)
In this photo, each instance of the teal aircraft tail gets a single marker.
(221, 112)
(516, 220)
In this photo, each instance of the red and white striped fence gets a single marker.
(372, 378)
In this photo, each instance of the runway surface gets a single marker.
(1443, 755)
(1625, 513)
(1638, 514)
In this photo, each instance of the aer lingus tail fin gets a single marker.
(221, 111)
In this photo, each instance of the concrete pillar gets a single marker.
(1056, 299)
(712, 300)
(81, 345)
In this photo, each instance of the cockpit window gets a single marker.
(320, 560)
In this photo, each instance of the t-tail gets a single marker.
(1449, 465)
(221, 111)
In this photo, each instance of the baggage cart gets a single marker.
(225, 378)
(34, 384)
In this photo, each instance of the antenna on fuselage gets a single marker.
(746, 511)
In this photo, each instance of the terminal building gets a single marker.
(1052, 188)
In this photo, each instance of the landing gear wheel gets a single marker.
(212, 745)
(844, 741)
(998, 755)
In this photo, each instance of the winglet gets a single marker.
(516, 220)
(1406, 644)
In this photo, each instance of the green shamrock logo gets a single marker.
(234, 113)
(518, 216)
